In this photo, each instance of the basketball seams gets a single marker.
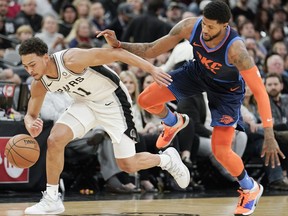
(21, 156)
(21, 153)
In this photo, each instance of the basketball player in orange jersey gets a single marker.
(221, 66)
(100, 98)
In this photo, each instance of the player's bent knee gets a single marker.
(56, 142)
(144, 101)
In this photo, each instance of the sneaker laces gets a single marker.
(243, 198)
(45, 200)
(174, 170)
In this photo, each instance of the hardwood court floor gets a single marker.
(171, 204)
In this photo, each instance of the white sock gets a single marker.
(164, 160)
(52, 191)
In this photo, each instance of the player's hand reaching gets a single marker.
(34, 126)
(109, 36)
(271, 149)
(161, 78)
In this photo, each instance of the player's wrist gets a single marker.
(118, 44)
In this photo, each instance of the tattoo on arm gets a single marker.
(243, 61)
(137, 48)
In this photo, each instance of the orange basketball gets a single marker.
(22, 151)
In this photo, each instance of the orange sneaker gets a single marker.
(248, 200)
(169, 132)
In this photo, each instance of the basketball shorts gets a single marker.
(224, 104)
(113, 114)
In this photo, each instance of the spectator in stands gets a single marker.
(147, 27)
(97, 17)
(23, 33)
(280, 17)
(49, 34)
(124, 16)
(13, 8)
(286, 62)
(28, 16)
(68, 16)
(44, 8)
(262, 22)
(280, 48)
(80, 33)
(251, 43)
(275, 64)
(8, 22)
(247, 30)
(276, 33)
(242, 8)
(83, 8)
(138, 6)
(5, 42)
(174, 13)
(8, 75)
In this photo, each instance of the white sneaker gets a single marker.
(46, 206)
(177, 168)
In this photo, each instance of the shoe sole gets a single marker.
(183, 126)
(46, 213)
(257, 200)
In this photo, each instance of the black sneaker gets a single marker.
(279, 185)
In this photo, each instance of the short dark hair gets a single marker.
(272, 74)
(217, 10)
(33, 45)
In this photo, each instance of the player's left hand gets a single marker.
(109, 36)
(161, 78)
(271, 149)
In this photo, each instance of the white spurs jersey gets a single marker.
(93, 84)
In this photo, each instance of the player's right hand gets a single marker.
(109, 36)
(34, 127)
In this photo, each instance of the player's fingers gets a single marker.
(165, 80)
(277, 159)
(263, 152)
(272, 160)
(166, 77)
(281, 154)
(267, 158)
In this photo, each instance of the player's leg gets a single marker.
(72, 124)
(130, 161)
(154, 98)
(59, 137)
(250, 191)
(124, 136)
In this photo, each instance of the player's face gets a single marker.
(35, 65)
(211, 29)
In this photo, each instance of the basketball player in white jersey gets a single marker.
(100, 98)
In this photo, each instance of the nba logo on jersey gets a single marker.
(133, 134)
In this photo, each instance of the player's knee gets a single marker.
(220, 155)
(143, 101)
(55, 142)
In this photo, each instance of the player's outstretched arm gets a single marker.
(79, 59)
(33, 123)
(239, 56)
(180, 31)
